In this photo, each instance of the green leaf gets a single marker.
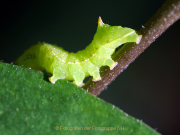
(30, 104)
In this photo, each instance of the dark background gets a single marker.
(148, 89)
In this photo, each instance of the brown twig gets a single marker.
(168, 14)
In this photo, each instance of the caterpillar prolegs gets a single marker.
(77, 66)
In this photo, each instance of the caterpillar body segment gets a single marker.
(77, 66)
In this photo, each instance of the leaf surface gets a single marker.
(30, 104)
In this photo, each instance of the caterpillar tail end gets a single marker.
(139, 39)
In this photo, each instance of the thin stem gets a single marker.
(168, 14)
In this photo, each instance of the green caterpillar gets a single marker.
(77, 66)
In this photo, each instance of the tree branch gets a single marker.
(168, 14)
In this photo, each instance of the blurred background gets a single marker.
(148, 89)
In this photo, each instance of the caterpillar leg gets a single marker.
(58, 73)
(110, 63)
(53, 79)
(80, 85)
(77, 74)
(92, 70)
(96, 76)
